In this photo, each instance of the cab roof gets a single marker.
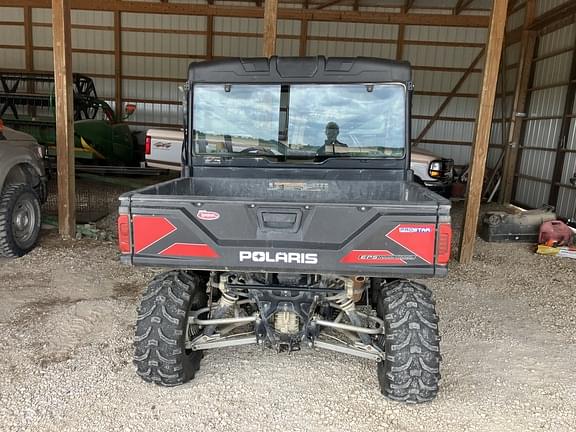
(288, 70)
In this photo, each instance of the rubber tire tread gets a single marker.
(411, 370)
(160, 355)
(8, 198)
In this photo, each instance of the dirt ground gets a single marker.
(508, 323)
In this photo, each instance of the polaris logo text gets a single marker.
(279, 257)
(414, 230)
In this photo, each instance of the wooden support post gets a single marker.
(270, 27)
(210, 33)
(400, 42)
(29, 54)
(64, 117)
(118, 61)
(528, 44)
(303, 37)
(483, 126)
(28, 39)
(209, 37)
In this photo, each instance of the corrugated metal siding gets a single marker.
(543, 6)
(12, 57)
(543, 124)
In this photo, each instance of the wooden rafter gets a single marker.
(461, 5)
(255, 12)
(452, 94)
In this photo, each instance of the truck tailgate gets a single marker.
(385, 229)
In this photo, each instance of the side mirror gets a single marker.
(2, 137)
(129, 109)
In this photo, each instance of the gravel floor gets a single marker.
(66, 315)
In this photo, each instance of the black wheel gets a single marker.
(20, 220)
(411, 370)
(162, 329)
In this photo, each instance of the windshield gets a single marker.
(300, 121)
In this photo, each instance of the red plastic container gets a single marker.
(555, 233)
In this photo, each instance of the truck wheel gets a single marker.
(411, 369)
(161, 329)
(20, 220)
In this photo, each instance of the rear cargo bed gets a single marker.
(290, 191)
(373, 228)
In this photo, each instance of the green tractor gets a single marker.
(100, 134)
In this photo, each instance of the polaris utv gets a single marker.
(295, 223)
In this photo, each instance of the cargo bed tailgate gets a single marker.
(395, 229)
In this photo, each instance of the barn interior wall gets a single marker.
(156, 50)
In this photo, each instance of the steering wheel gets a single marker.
(257, 150)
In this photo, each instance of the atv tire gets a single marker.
(20, 220)
(160, 339)
(411, 369)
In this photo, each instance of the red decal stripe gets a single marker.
(416, 238)
(371, 257)
(149, 230)
(190, 250)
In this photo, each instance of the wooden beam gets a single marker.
(118, 62)
(525, 65)
(64, 117)
(255, 12)
(452, 94)
(482, 132)
(270, 27)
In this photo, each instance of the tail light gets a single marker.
(148, 145)
(124, 234)
(444, 243)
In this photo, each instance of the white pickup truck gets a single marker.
(164, 150)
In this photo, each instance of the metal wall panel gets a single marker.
(445, 34)
(13, 58)
(162, 21)
(566, 202)
(531, 193)
(459, 57)
(162, 43)
(543, 6)
(15, 14)
(557, 40)
(542, 127)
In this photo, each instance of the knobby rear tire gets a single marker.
(411, 370)
(160, 339)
